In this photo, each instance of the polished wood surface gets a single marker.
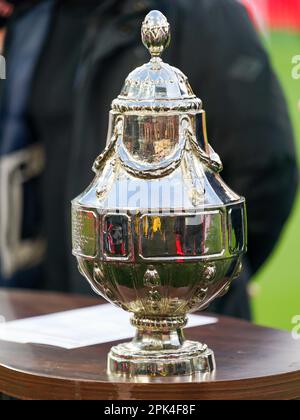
(252, 362)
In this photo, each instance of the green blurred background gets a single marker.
(276, 289)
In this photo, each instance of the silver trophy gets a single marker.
(158, 233)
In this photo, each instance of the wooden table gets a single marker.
(252, 362)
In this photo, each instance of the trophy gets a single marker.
(158, 233)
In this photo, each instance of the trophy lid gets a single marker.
(156, 86)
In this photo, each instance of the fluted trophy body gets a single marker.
(158, 233)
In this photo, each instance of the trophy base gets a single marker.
(192, 357)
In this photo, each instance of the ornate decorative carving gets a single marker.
(159, 324)
(151, 277)
(125, 105)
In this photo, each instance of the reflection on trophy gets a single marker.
(158, 233)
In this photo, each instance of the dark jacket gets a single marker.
(215, 44)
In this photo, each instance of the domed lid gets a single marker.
(156, 86)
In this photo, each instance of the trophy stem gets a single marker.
(159, 348)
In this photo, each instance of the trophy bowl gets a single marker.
(158, 233)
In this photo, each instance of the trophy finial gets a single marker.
(156, 33)
(158, 233)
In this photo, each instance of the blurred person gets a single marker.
(67, 60)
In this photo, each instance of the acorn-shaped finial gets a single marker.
(156, 33)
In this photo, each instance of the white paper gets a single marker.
(79, 327)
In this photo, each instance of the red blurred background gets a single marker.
(275, 14)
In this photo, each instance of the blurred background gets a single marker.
(276, 289)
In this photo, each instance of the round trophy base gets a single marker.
(192, 357)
